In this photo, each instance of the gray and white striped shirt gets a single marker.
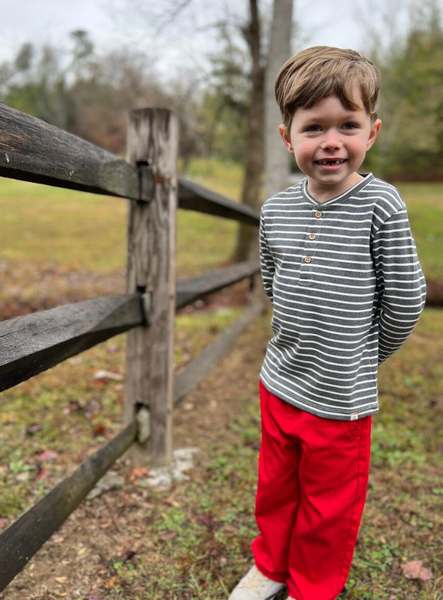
(347, 289)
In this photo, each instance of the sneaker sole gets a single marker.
(273, 595)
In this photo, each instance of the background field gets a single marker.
(193, 540)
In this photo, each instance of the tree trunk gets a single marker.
(247, 235)
(277, 158)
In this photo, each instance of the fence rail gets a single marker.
(32, 150)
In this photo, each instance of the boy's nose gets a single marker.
(331, 140)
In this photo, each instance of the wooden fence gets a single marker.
(32, 150)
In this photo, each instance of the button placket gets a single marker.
(310, 245)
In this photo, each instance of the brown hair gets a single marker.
(322, 71)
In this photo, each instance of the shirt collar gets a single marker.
(367, 178)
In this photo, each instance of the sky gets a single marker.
(116, 23)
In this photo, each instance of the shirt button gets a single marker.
(312, 236)
(308, 259)
(318, 214)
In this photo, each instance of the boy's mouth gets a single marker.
(330, 162)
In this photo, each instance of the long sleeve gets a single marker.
(266, 261)
(400, 282)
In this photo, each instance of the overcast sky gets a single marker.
(322, 22)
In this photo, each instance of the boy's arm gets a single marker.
(400, 282)
(267, 265)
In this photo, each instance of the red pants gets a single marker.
(312, 482)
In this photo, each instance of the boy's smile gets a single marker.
(329, 142)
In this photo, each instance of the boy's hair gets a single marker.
(323, 71)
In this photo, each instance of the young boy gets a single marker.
(340, 267)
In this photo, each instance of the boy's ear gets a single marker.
(286, 138)
(375, 129)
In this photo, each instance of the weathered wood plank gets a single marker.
(32, 150)
(153, 139)
(21, 540)
(193, 196)
(200, 366)
(34, 343)
(190, 290)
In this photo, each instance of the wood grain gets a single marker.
(193, 196)
(34, 343)
(190, 290)
(32, 150)
(153, 140)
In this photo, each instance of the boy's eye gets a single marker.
(350, 126)
(313, 128)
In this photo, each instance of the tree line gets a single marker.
(89, 95)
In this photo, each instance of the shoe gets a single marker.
(255, 586)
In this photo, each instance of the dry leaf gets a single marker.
(47, 455)
(99, 430)
(57, 539)
(103, 376)
(414, 570)
(127, 554)
(61, 579)
(139, 471)
(111, 583)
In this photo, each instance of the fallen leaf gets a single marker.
(61, 579)
(111, 583)
(31, 429)
(103, 376)
(42, 474)
(47, 455)
(414, 570)
(99, 430)
(57, 539)
(139, 471)
(127, 554)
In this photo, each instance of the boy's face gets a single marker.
(329, 143)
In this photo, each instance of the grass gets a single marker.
(194, 541)
(425, 208)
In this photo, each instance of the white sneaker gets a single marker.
(255, 586)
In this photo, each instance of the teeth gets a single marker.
(330, 162)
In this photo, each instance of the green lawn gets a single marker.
(425, 209)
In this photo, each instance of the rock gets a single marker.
(162, 477)
(111, 481)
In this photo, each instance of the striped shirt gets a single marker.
(347, 289)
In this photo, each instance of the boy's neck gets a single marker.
(327, 192)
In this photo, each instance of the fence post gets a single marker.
(152, 145)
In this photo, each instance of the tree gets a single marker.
(251, 190)
(277, 160)
(411, 107)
